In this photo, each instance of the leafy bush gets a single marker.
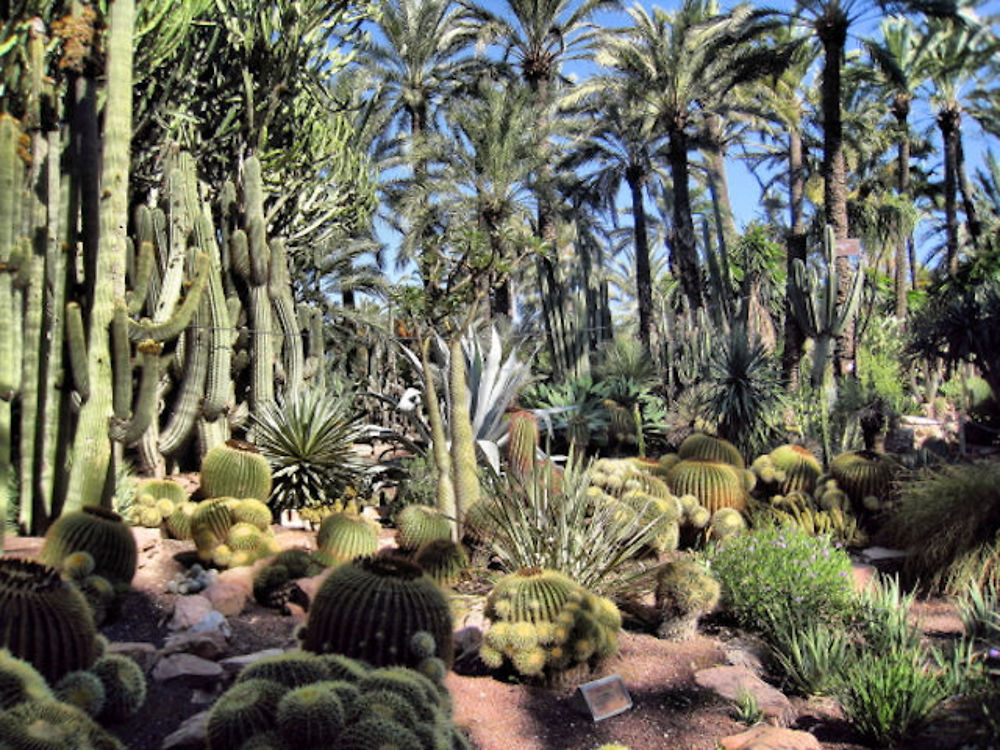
(308, 442)
(556, 524)
(949, 522)
(888, 695)
(776, 579)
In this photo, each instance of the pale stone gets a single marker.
(311, 585)
(188, 610)
(143, 654)
(732, 682)
(192, 733)
(213, 621)
(235, 664)
(242, 577)
(208, 645)
(765, 737)
(227, 598)
(864, 576)
(188, 668)
(747, 654)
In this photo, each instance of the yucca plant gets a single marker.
(308, 441)
(813, 656)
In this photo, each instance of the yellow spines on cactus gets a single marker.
(418, 524)
(345, 536)
(463, 443)
(715, 484)
(800, 467)
(863, 473)
(700, 445)
(522, 443)
(98, 531)
(162, 489)
(235, 469)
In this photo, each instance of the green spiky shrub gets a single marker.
(781, 577)
(235, 469)
(44, 619)
(547, 627)
(813, 656)
(370, 608)
(685, 591)
(948, 523)
(98, 531)
(345, 536)
(417, 524)
(308, 443)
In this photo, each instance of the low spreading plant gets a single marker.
(814, 657)
(777, 579)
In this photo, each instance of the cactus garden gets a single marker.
(377, 374)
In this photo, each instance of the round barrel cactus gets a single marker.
(443, 560)
(100, 532)
(863, 475)
(800, 466)
(345, 536)
(714, 483)
(44, 619)
(162, 489)
(235, 469)
(700, 445)
(418, 524)
(370, 609)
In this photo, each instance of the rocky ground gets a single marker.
(682, 693)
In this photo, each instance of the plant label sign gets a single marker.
(605, 697)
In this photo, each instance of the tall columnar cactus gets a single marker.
(814, 302)
(463, 442)
(9, 172)
(439, 439)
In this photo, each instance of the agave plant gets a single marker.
(308, 441)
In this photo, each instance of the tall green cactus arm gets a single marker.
(218, 378)
(121, 363)
(188, 403)
(253, 193)
(145, 262)
(280, 290)
(463, 442)
(439, 440)
(259, 257)
(173, 326)
(10, 131)
(131, 429)
(76, 341)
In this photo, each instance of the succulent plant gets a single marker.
(44, 619)
(51, 725)
(19, 682)
(310, 715)
(292, 669)
(377, 732)
(369, 609)
(343, 667)
(799, 466)
(235, 469)
(248, 708)
(685, 590)
(714, 483)
(345, 536)
(98, 531)
(443, 560)
(124, 686)
(299, 562)
(418, 524)
(179, 522)
(522, 447)
(863, 474)
(78, 565)
(700, 445)
(253, 512)
(83, 690)
(726, 522)
(162, 489)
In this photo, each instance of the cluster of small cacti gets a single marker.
(786, 469)
(370, 609)
(685, 590)
(305, 700)
(230, 532)
(866, 477)
(275, 585)
(826, 511)
(156, 500)
(78, 569)
(44, 619)
(99, 532)
(35, 715)
(343, 537)
(192, 581)
(548, 627)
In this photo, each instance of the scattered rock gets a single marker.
(212, 621)
(299, 615)
(143, 654)
(208, 645)
(764, 737)
(188, 610)
(235, 664)
(747, 654)
(226, 597)
(864, 576)
(878, 554)
(192, 733)
(311, 585)
(190, 669)
(731, 682)
(241, 577)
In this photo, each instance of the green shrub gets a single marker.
(888, 695)
(813, 657)
(779, 578)
(949, 523)
(883, 619)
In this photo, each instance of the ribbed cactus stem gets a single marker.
(219, 381)
(171, 327)
(121, 363)
(259, 259)
(439, 439)
(144, 411)
(9, 172)
(463, 442)
(144, 263)
(188, 403)
(76, 340)
(253, 193)
(280, 289)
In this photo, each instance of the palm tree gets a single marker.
(901, 63)
(681, 67)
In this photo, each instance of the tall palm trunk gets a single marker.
(832, 31)
(948, 120)
(901, 109)
(635, 175)
(685, 253)
(972, 223)
(718, 185)
(795, 248)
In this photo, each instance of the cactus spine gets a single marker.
(463, 443)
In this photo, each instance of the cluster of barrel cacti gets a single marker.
(547, 627)
(306, 700)
(156, 500)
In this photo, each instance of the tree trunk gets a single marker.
(635, 177)
(684, 248)
(901, 108)
(795, 247)
(718, 186)
(948, 123)
(972, 223)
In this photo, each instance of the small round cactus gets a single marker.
(418, 524)
(800, 468)
(252, 511)
(345, 536)
(292, 670)
(124, 686)
(443, 560)
(248, 708)
(714, 483)
(50, 725)
(98, 531)
(376, 733)
(19, 682)
(179, 522)
(311, 716)
(83, 690)
(685, 590)
(726, 522)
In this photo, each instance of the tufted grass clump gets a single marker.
(777, 579)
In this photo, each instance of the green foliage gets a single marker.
(777, 578)
(888, 695)
(880, 364)
(308, 442)
(812, 657)
(536, 525)
(746, 710)
(947, 521)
